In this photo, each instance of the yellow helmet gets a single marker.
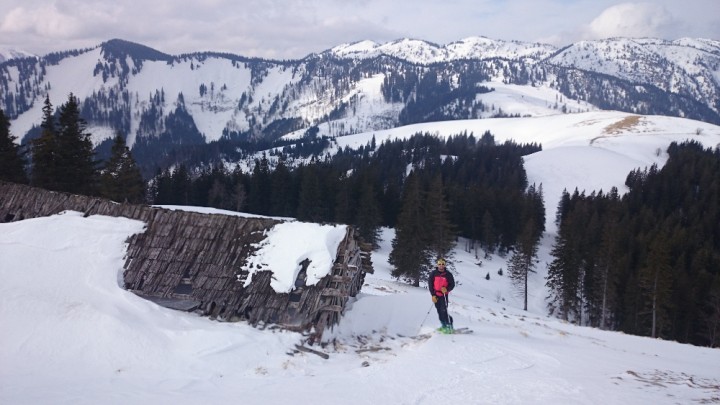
(441, 262)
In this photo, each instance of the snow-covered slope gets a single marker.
(590, 151)
(684, 66)
(71, 335)
(8, 54)
(423, 52)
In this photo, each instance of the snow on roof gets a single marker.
(288, 244)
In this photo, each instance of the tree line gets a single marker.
(62, 158)
(646, 263)
(459, 186)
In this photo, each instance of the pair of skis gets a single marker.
(452, 331)
(458, 331)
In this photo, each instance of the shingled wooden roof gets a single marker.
(193, 261)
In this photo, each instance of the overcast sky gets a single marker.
(289, 29)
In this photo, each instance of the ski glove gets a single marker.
(444, 290)
(434, 298)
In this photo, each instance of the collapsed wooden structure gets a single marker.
(193, 261)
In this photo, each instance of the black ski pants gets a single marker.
(441, 306)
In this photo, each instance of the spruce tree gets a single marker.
(368, 215)
(563, 277)
(12, 162)
(344, 201)
(259, 193)
(75, 164)
(180, 186)
(310, 202)
(120, 180)
(409, 255)
(655, 280)
(44, 151)
(439, 231)
(523, 260)
(711, 319)
(281, 201)
(489, 240)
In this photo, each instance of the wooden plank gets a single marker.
(313, 351)
(331, 308)
(332, 292)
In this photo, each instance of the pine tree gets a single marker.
(281, 198)
(310, 202)
(218, 195)
(523, 260)
(259, 193)
(44, 150)
(655, 280)
(368, 216)
(488, 233)
(344, 201)
(120, 180)
(563, 278)
(75, 164)
(440, 232)
(12, 162)
(712, 315)
(180, 186)
(409, 255)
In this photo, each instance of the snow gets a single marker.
(527, 101)
(423, 52)
(71, 335)
(8, 54)
(210, 210)
(588, 151)
(320, 249)
(289, 238)
(686, 66)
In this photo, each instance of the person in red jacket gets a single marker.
(440, 283)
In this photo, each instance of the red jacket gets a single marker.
(439, 279)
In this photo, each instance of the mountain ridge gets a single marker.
(159, 101)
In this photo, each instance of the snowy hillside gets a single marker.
(671, 65)
(71, 335)
(8, 54)
(590, 151)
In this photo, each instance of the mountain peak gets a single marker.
(120, 48)
(8, 54)
(425, 52)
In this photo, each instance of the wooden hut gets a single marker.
(193, 261)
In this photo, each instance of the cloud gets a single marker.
(282, 29)
(632, 20)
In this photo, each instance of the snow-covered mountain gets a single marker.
(71, 334)
(160, 101)
(423, 52)
(684, 66)
(8, 54)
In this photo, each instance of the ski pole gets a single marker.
(426, 315)
(447, 307)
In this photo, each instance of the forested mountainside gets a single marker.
(162, 104)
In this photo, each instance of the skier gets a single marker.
(440, 283)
